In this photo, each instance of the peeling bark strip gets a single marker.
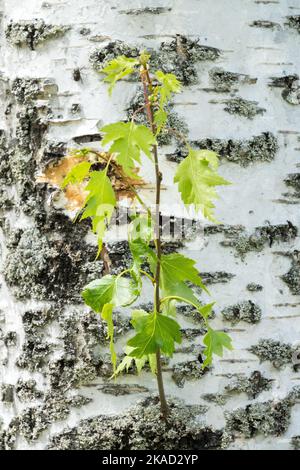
(55, 364)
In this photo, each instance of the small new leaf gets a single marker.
(215, 342)
(197, 179)
(117, 69)
(169, 84)
(128, 141)
(160, 119)
(154, 331)
(128, 361)
(124, 365)
(77, 174)
(144, 58)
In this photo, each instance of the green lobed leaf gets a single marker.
(77, 174)
(160, 119)
(117, 69)
(169, 84)
(124, 365)
(177, 267)
(137, 316)
(128, 361)
(180, 289)
(152, 363)
(206, 310)
(215, 342)
(102, 295)
(154, 331)
(110, 289)
(169, 307)
(99, 203)
(176, 270)
(128, 141)
(197, 179)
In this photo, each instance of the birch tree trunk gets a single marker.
(239, 64)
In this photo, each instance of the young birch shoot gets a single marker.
(157, 332)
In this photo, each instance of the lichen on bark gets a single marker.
(242, 107)
(246, 311)
(187, 371)
(292, 277)
(279, 354)
(141, 428)
(260, 148)
(290, 85)
(293, 21)
(293, 181)
(262, 236)
(267, 418)
(224, 81)
(32, 33)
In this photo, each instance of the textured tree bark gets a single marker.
(239, 65)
